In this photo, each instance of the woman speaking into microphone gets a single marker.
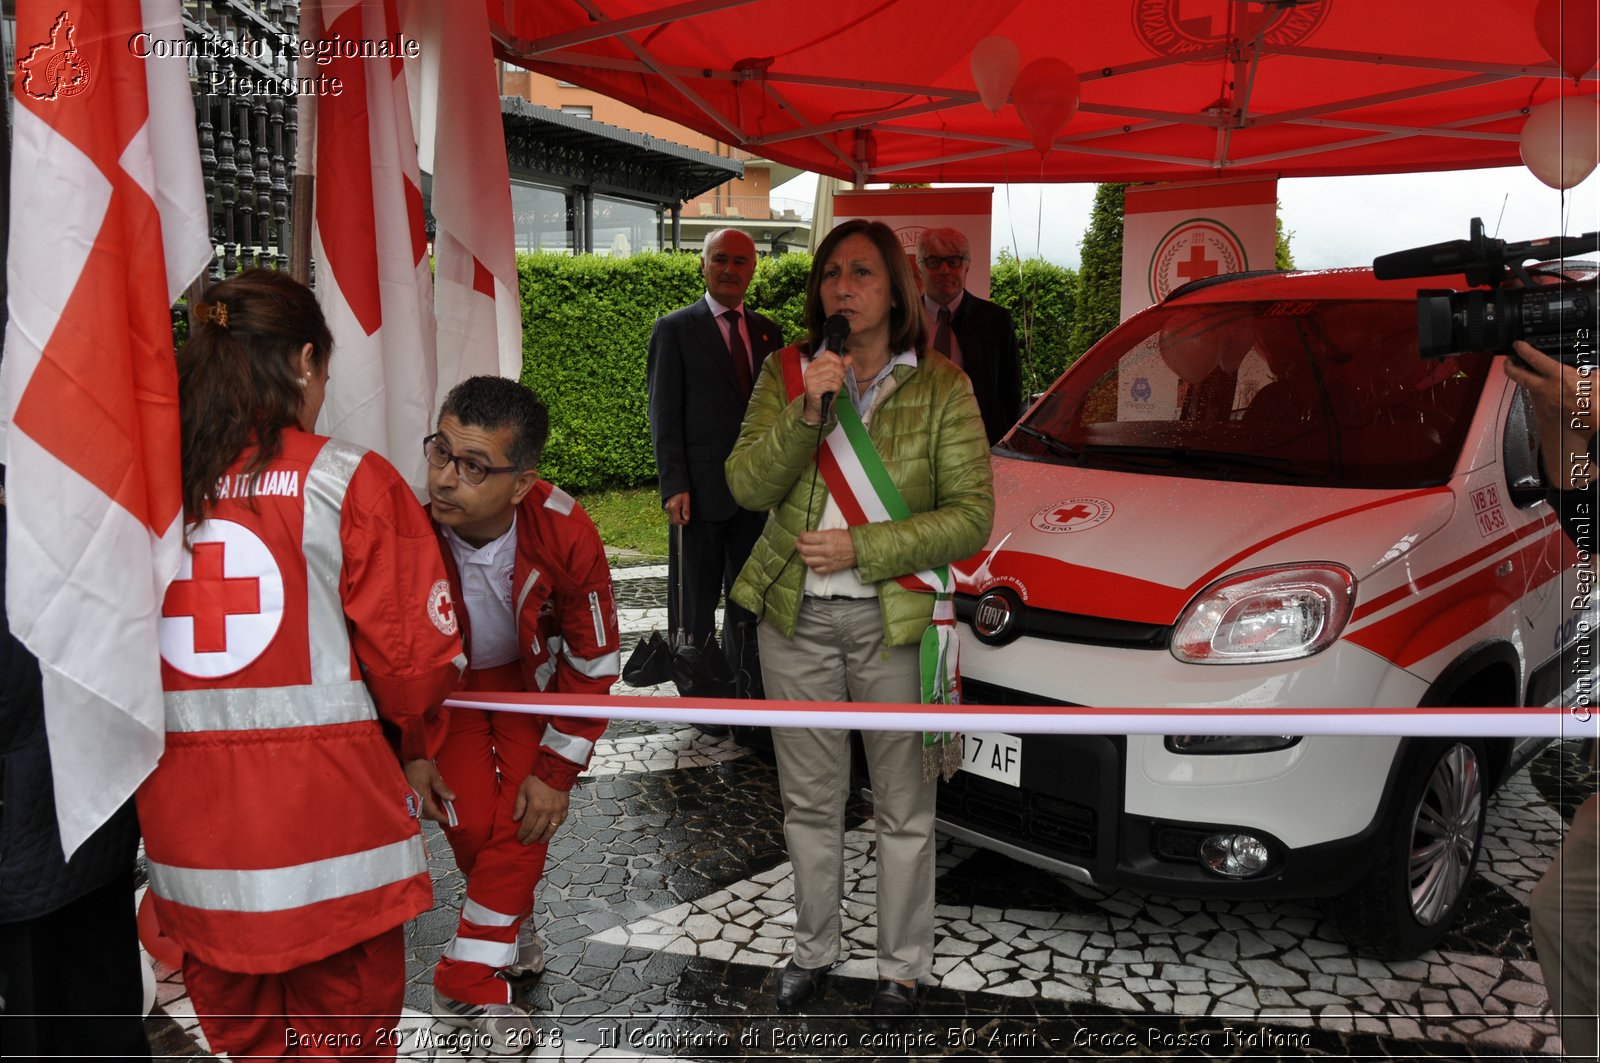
(871, 498)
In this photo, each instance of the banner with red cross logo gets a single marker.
(1176, 233)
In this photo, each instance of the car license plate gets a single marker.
(993, 756)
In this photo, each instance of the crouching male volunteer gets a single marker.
(528, 568)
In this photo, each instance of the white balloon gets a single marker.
(995, 62)
(1561, 140)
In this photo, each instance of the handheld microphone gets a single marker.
(835, 331)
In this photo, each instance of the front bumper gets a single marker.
(1123, 810)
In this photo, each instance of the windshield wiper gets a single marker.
(1056, 446)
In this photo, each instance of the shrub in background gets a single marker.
(1041, 297)
(586, 324)
(779, 291)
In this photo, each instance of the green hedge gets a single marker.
(586, 324)
(1041, 297)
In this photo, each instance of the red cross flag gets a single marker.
(108, 226)
(368, 240)
(477, 301)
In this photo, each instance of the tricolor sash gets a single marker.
(858, 481)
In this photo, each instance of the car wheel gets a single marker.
(1411, 896)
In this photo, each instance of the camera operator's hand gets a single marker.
(1563, 411)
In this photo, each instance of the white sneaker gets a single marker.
(497, 1029)
(530, 952)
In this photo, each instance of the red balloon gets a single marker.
(1046, 95)
(1567, 30)
(161, 948)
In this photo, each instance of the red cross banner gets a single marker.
(477, 300)
(1175, 233)
(912, 211)
(108, 226)
(369, 242)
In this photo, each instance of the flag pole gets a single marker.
(305, 180)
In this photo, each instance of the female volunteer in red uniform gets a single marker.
(309, 631)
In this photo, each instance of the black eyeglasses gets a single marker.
(469, 470)
(935, 261)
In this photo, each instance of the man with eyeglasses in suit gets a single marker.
(527, 566)
(974, 333)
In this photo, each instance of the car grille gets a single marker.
(1064, 779)
(1075, 627)
(1015, 815)
(1178, 845)
(977, 692)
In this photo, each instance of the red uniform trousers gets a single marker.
(484, 760)
(345, 1005)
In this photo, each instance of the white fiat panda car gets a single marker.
(1256, 493)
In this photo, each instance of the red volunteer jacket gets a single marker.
(278, 825)
(566, 620)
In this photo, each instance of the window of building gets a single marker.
(623, 227)
(542, 218)
(577, 110)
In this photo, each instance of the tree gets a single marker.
(1282, 255)
(1099, 302)
(1041, 296)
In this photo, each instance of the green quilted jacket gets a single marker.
(930, 435)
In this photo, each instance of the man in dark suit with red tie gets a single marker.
(974, 333)
(703, 361)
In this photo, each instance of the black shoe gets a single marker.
(892, 1003)
(797, 984)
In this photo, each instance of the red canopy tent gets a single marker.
(882, 90)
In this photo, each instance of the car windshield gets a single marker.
(1326, 393)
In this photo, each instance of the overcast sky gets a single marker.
(1335, 221)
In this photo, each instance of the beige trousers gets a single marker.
(837, 654)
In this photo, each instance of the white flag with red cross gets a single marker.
(477, 302)
(369, 243)
(108, 226)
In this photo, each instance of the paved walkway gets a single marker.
(668, 903)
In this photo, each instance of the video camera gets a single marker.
(1558, 319)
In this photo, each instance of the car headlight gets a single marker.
(1269, 614)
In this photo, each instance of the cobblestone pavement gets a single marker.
(667, 905)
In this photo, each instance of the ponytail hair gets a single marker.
(239, 382)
